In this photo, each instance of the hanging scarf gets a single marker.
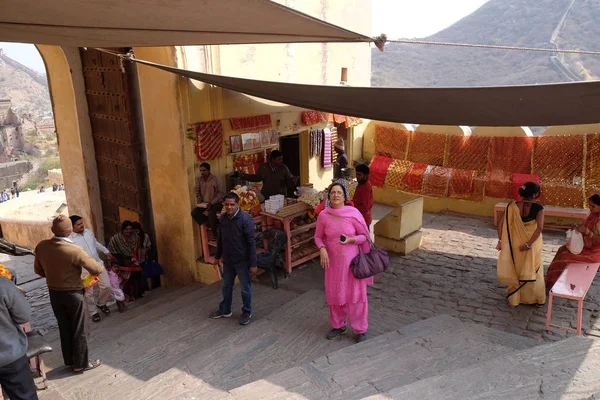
(120, 245)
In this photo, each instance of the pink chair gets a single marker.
(573, 284)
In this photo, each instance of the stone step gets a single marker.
(563, 370)
(417, 351)
(289, 336)
(155, 340)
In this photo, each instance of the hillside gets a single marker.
(27, 89)
(531, 23)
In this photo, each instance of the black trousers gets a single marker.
(70, 310)
(17, 380)
(213, 221)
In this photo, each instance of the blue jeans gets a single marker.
(229, 274)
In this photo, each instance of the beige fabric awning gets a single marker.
(125, 23)
(534, 105)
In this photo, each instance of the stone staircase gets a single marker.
(167, 348)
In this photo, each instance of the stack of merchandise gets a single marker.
(274, 203)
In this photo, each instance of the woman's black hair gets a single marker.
(595, 199)
(138, 226)
(334, 185)
(125, 224)
(530, 190)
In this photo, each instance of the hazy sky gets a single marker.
(396, 18)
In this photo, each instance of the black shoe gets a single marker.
(335, 332)
(96, 317)
(361, 337)
(218, 314)
(245, 318)
(104, 309)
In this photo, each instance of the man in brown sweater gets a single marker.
(60, 261)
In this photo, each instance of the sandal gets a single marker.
(96, 317)
(104, 309)
(90, 366)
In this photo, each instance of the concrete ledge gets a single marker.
(403, 246)
(25, 233)
(402, 221)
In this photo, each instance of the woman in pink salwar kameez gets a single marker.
(340, 231)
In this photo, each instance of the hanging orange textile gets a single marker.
(468, 152)
(427, 148)
(461, 183)
(391, 142)
(511, 154)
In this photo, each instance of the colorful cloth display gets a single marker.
(326, 154)
(413, 179)
(427, 148)
(461, 183)
(558, 159)
(396, 172)
(252, 122)
(511, 154)
(391, 142)
(379, 166)
(562, 195)
(436, 181)
(209, 140)
(498, 183)
(468, 152)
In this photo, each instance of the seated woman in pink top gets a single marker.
(340, 230)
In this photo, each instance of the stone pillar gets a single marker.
(166, 146)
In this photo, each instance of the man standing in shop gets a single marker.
(85, 239)
(275, 176)
(210, 192)
(237, 248)
(363, 195)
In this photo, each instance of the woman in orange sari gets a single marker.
(590, 229)
(520, 244)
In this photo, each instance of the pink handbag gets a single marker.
(366, 265)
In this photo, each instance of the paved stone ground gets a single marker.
(453, 273)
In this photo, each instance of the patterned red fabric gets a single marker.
(427, 148)
(413, 179)
(498, 183)
(461, 183)
(209, 140)
(519, 180)
(592, 164)
(511, 154)
(312, 117)
(436, 181)
(391, 141)
(352, 121)
(252, 122)
(379, 167)
(558, 158)
(562, 195)
(468, 152)
(338, 119)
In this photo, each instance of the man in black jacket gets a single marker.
(236, 248)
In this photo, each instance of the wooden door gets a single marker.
(118, 144)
